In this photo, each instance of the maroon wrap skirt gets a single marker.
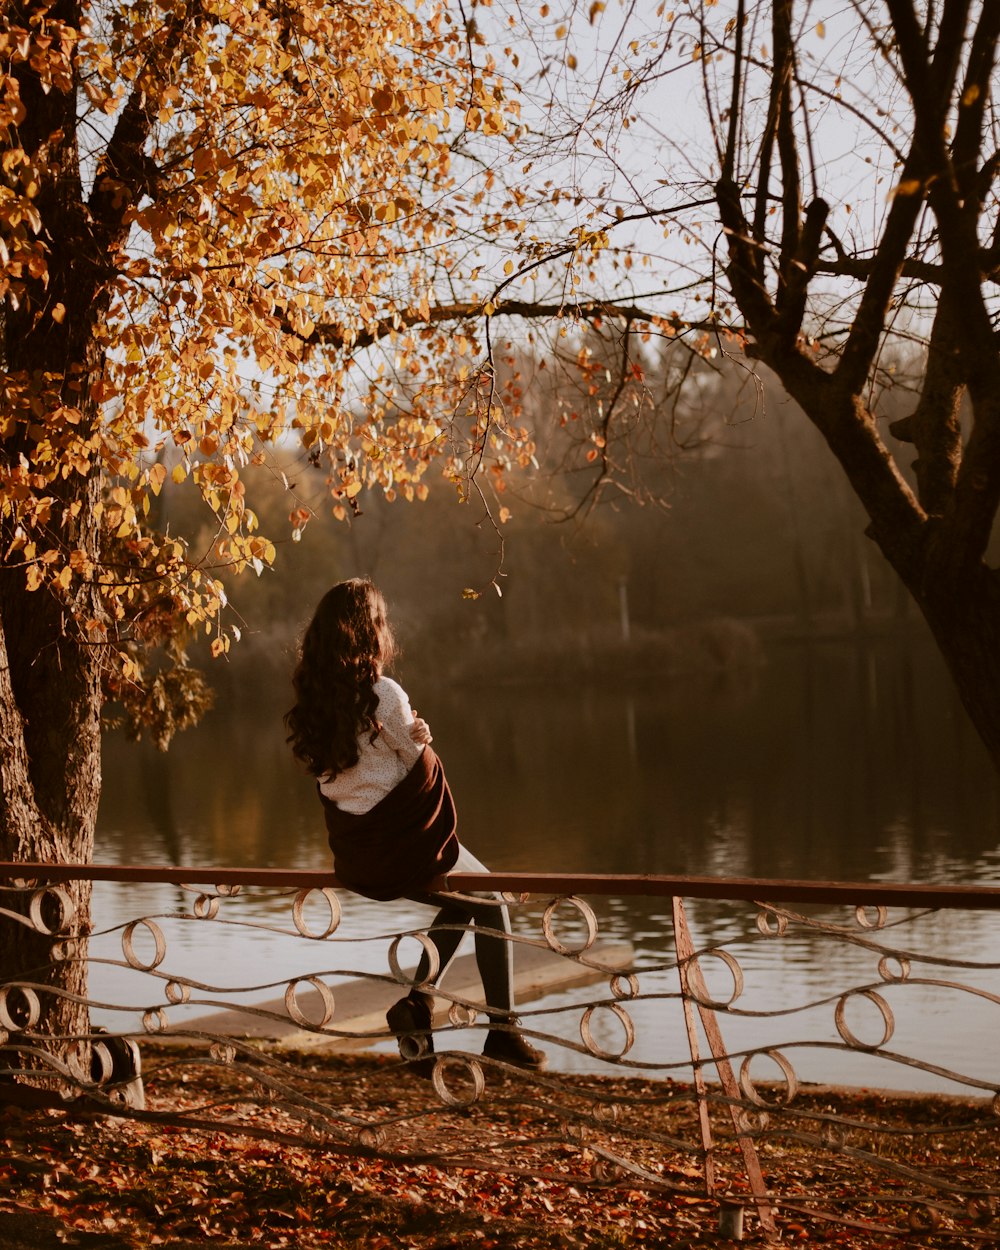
(406, 840)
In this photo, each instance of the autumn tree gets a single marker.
(208, 214)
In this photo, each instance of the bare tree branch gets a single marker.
(590, 310)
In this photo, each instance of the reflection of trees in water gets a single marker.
(811, 775)
(842, 762)
(156, 771)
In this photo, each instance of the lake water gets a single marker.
(830, 763)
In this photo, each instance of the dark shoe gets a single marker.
(508, 1046)
(411, 1020)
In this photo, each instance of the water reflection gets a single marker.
(839, 763)
(835, 763)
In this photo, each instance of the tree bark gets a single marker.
(966, 627)
(48, 807)
(50, 770)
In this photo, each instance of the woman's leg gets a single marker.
(495, 961)
(494, 951)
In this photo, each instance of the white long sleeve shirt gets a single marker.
(382, 762)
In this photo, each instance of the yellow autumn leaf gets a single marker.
(157, 476)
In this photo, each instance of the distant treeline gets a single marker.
(724, 517)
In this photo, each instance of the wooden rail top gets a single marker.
(753, 889)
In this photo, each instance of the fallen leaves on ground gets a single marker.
(98, 1181)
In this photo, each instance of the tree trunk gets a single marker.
(966, 627)
(50, 784)
(50, 691)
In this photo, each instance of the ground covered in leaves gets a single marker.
(249, 1174)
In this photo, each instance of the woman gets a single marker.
(389, 812)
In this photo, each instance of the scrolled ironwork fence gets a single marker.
(695, 1074)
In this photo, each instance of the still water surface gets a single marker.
(830, 763)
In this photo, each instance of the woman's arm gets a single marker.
(405, 733)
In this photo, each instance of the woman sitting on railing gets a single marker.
(389, 812)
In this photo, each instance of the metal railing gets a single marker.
(710, 1073)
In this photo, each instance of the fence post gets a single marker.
(695, 993)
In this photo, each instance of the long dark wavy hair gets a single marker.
(345, 648)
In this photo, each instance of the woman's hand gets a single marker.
(420, 731)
